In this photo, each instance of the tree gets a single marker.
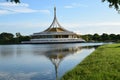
(105, 37)
(96, 37)
(18, 35)
(118, 38)
(112, 37)
(87, 37)
(115, 3)
(6, 38)
(16, 1)
(19, 38)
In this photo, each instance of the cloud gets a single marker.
(25, 24)
(12, 8)
(75, 5)
(4, 12)
(82, 27)
(69, 6)
(94, 27)
(9, 4)
(17, 76)
(95, 24)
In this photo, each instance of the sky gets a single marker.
(80, 16)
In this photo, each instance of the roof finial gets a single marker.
(55, 11)
(54, 8)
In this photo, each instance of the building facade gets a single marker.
(55, 34)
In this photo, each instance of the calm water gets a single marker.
(41, 62)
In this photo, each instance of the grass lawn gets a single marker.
(102, 64)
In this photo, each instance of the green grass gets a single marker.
(102, 64)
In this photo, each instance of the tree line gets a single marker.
(9, 38)
(101, 38)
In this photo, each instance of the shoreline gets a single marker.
(102, 64)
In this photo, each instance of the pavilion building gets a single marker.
(55, 34)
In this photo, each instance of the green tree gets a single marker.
(16, 1)
(87, 37)
(6, 38)
(112, 37)
(105, 37)
(19, 38)
(96, 37)
(115, 3)
(18, 35)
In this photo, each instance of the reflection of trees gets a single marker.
(6, 52)
(89, 47)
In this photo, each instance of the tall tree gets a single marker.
(115, 3)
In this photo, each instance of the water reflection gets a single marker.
(40, 62)
(7, 53)
(58, 54)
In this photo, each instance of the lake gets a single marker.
(41, 61)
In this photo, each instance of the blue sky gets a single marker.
(80, 16)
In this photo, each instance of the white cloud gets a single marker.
(45, 11)
(95, 24)
(82, 28)
(4, 12)
(75, 5)
(9, 4)
(11, 8)
(25, 24)
(94, 27)
(17, 76)
(107, 24)
(68, 6)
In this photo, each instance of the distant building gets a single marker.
(55, 34)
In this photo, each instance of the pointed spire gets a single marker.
(55, 26)
(55, 23)
(55, 11)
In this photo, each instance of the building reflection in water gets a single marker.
(56, 56)
(58, 53)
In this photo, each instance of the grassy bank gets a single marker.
(102, 64)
